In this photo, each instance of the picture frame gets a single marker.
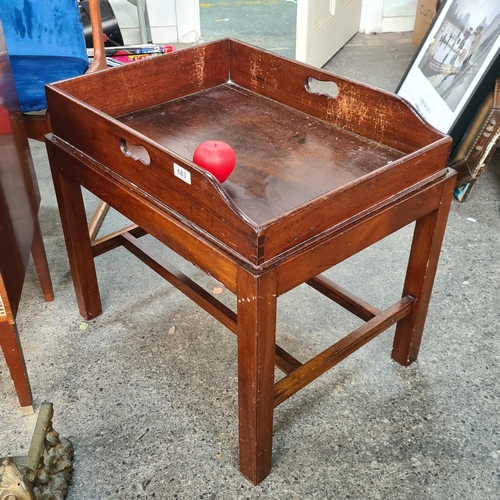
(456, 66)
(478, 144)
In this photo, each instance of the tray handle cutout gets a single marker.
(137, 153)
(330, 89)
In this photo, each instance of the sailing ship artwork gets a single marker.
(461, 48)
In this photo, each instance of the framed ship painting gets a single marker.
(456, 66)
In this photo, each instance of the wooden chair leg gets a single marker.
(36, 126)
(41, 264)
(9, 341)
(422, 266)
(76, 235)
(256, 346)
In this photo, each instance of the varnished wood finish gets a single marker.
(256, 339)
(78, 244)
(335, 246)
(20, 232)
(187, 286)
(321, 363)
(113, 240)
(317, 180)
(150, 215)
(260, 211)
(283, 360)
(14, 357)
(99, 61)
(343, 297)
(424, 257)
(97, 219)
(37, 126)
(41, 264)
(269, 180)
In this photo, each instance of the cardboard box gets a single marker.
(426, 12)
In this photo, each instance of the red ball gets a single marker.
(217, 157)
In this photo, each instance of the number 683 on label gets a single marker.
(182, 173)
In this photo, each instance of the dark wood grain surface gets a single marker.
(285, 158)
(305, 162)
(20, 232)
(19, 195)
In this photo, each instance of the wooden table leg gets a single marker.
(76, 235)
(41, 264)
(9, 341)
(256, 345)
(424, 257)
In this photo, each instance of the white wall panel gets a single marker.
(382, 16)
(171, 20)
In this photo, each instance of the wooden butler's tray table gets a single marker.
(318, 178)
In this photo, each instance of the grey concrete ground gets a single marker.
(380, 60)
(269, 24)
(147, 391)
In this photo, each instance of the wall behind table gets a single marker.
(172, 21)
(383, 16)
(178, 21)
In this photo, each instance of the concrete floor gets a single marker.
(147, 391)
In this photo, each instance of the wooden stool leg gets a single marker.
(256, 345)
(41, 264)
(424, 256)
(76, 235)
(9, 341)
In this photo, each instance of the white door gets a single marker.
(324, 27)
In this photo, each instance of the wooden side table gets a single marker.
(322, 173)
(19, 227)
